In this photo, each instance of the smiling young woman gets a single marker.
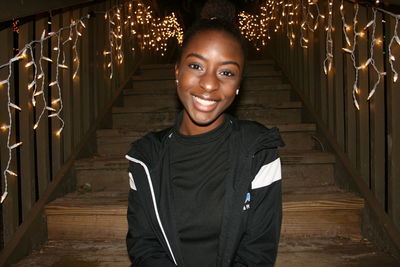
(208, 74)
(207, 191)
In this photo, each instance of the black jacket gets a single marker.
(253, 200)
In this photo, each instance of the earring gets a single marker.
(237, 91)
(177, 82)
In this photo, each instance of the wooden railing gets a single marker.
(43, 163)
(366, 141)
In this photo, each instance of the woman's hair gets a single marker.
(214, 24)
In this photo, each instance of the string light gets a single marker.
(152, 33)
(283, 15)
(148, 32)
(37, 86)
(329, 41)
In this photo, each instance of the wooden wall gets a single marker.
(45, 160)
(367, 141)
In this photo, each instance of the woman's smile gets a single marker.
(204, 104)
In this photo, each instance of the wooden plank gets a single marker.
(87, 74)
(311, 67)
(383, 222)
(94, 59)
(42, 131)
(10, 210)
(56, 139)
(363, 114)
(28, 189)
(338, 70)
(350, 110)
(296, 63)
(300, 67)
(377, 120)
(76, 87)
(316, 63)
(18, 9)
(306, 72)
(99, 57)
(393, 129)
(110, 83)
(323, 84)
(66, 86)
(78, 253)
(29, 226)
(103, 80)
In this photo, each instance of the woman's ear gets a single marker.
(176, 71)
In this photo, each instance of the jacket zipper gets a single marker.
(154, 203)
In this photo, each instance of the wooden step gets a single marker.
(300, 168)
(331, 252)
(311, 252)
(78, 253)
(102, 215)
(117, 141)
(148, 117)
(321, 211)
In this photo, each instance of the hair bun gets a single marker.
(218, 9)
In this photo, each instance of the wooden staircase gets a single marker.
(321, 223)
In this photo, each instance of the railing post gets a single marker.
(42, 130)
(363, 114)
(26, 122)
(10, 205)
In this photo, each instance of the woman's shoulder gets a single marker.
(149, 144)
(255, 133)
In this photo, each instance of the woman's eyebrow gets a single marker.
(196, 55)
(203, 58)
(231, 62)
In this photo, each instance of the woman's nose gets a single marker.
(209, 81)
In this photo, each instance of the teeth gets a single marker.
(204, 102)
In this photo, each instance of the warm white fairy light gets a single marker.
(374, 40)
(58, 99)
(279, 15)
(154, 34)
(284, 15)
(37, 86)
(8, 127)
(352, 50)
(392, 58)
(370, 61)
(329, 41)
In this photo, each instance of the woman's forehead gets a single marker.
(214, 42)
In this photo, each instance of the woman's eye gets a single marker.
(194, 66)
(227, 73)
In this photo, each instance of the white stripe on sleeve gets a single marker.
(267, 174)
(132, 182)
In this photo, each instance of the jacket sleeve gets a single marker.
(259, 244)
(143, 246)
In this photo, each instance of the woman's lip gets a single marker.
(202, 104)
(207, 98)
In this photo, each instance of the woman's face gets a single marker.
(208, 75)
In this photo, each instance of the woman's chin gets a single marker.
(204, 119)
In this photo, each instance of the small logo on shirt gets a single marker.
(247, 202)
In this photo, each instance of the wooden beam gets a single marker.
(26, 228)
(382, 218)
(20, 9)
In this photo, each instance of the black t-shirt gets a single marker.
(199, 164)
